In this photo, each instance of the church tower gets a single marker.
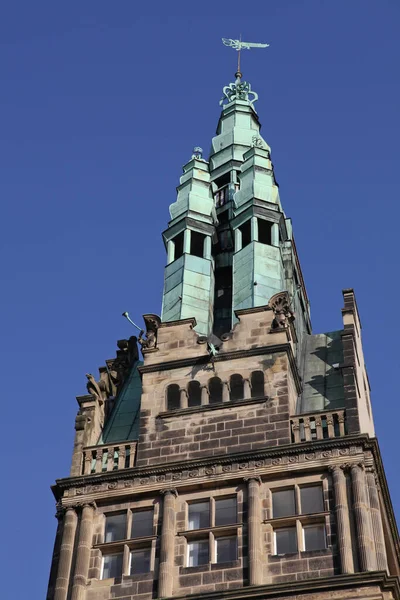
(236, 456)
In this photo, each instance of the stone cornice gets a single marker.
(312, 586)
(275, 454)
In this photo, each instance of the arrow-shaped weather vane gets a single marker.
(239, 46)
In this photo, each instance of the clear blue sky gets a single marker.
(101, 104)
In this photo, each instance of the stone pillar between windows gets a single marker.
(365, 543)
(376, 520)
(342, 519)
(170, 251)
(204, 395)
(275, 234)
(225, 392)
(183, 398)
(66, 553)
(254, 229)
(254, 530)
(246, 389)
(186, 241)
(83, 552)
(238, 240)
(207, 247)
(167, 546)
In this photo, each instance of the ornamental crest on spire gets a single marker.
(240, 90)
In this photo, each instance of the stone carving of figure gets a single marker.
(280, 304)
(152, 323)
(94, 388)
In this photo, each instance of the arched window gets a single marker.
(215, 390)
(236, 387)
(257, 384)
(194, 393)
(173, 397)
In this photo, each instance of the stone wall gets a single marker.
(193, 433)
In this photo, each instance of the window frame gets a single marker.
(307, 526)
(127, 545)
(104, 556)
(213, 532)
(300, 520)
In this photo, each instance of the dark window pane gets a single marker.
(197, 244)
(173, 397)
(286, 540)
(140, 561)
(115, 527)
(223, 180)
(178, 241)
(314, 537)
(112, 566)
(199, 515)
(264, 231)
(142, 523)
(197, 553)
(225, 511)
(215, 390)
(257, 384)
(225, 549)
(311, 499)
(194, 393)
(283, 503)
(246, 233)
(236, 387)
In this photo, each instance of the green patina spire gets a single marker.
(230, 245)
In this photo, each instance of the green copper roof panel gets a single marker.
(124, 421)
(323, 383)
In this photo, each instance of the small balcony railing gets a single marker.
(114, 457)
(318, 426)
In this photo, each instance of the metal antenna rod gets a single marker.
(239, 52)
(126, 315)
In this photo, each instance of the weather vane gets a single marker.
(239, 46)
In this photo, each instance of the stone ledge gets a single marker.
(311, 586)
(207, 407)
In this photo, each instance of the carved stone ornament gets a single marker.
(257, 142)
(280, 304)
(240, 90)
(152, 323)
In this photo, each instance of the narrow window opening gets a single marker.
(142, 523)
(283, 503)
(286, 540)
(178, 241)
(225, 549)
(224, 180)
(194, 393)
(236, 387)
(225, 511)
(112, 566)
(311, 499)
(264, 232)
(197, 244)
(314, 537)
(245, 230)
(257, 384)
(199, 515)
(115, 527)
(197, 553)
(215, 390)
(140, 561)
(173, 397)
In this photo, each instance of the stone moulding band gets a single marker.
(294, 588)
(276, 455)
